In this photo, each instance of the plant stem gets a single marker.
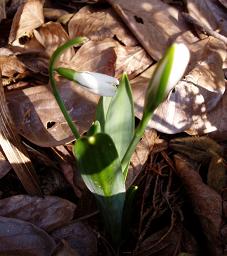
(77, 41)
(136, 138)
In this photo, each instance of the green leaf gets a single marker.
(120, 120)
(101, 171)
(95, 128)
(101, 111)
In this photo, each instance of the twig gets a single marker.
(204, 28)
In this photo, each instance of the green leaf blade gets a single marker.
(102, 109)
(101, 171)
(120, 120)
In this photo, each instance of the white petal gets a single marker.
(97, 83)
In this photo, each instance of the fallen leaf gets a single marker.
(51, 35)
(13, 6)
(200, 10)
(47, 213)
(111, 58)
(35, 61)
(95, 56)
(210, 13)
(79, 236)
(64, 249)
(53, 14)
(5, 52)
(204, 150)
(5, 166)
(2, 10)
(39, 119)
(132, 60)
(154, 23)
(19, 237)
(224, 2)
(99, 23)
(163, 242)
(14, 150)
(206, 203)
(11, 65)
(28, 17)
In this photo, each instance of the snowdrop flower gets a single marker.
(96, 83)
(167, 74)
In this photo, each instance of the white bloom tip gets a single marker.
(97, 83)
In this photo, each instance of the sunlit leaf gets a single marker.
(101, 171)
(101, 110)
(120, 122)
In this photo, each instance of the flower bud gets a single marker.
(169, 71)
(96, 83)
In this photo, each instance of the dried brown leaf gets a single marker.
(47, 213)
(14, 150)
(13, 6)
(2, 10)
(223, 2)
(28, 17)
(11, 65)
(95, 56)
(163, 242)
(132, 60)
(51, 35)
(79, 236)
(110, 57)
(204, 150)
(99, 24)
(39, 119)
(19, 237)
(4, 165)
(65, 250)
(210, 13)
(35, 61)
(154, 23)
(53, 14)
(206, 203)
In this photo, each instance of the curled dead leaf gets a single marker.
(39, 119)
(148, 21)
(79, 236)
(5, 166)
(2, 10)
(132, 60)
(28, 17)
(99, 23)
(11, 66)
(210, 13)
(51, 35)
(206, 203)
(47, 213)
(19, 237)
(96, 57)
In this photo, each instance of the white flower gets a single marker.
(167, 74)
(97, 83)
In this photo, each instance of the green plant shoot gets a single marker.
(104, 154)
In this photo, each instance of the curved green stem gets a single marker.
(136, 138)
(77, 41)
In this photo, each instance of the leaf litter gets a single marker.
(181, 178)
